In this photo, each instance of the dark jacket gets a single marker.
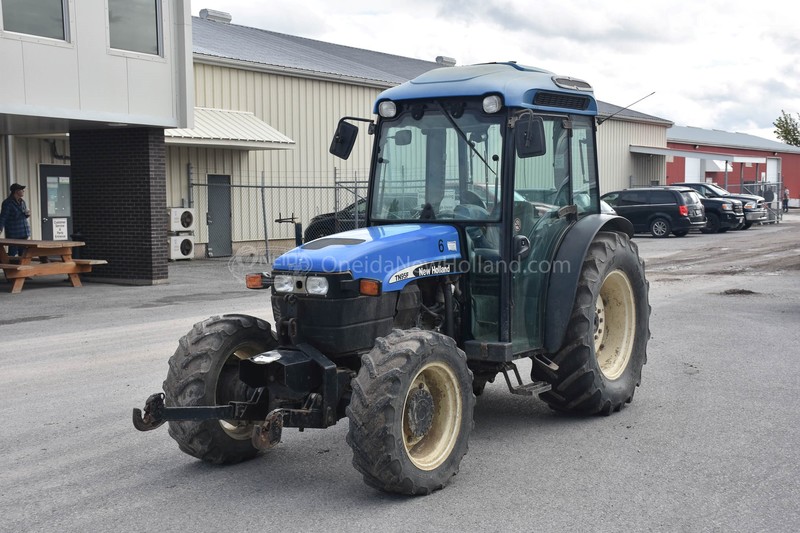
(13, 219)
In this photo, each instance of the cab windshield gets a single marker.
(438, 163)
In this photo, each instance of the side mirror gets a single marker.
(344, 139)
(529, 136)
(402, 138)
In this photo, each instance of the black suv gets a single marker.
(754, 208)
(659, 210)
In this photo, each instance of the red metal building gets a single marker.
(736, 161)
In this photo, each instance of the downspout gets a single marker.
(190, 193)
(9, 164)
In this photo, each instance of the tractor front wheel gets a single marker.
(411, 412)
(205, 371)
(600, 361)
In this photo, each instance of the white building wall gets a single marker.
(84, 79)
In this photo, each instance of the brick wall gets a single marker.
(119, 202)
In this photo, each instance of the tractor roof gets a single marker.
(520, 86)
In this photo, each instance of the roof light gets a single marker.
(492, 104)
(387, 109)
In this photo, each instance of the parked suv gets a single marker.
(722, 214)
(754, 207)
(659, 210)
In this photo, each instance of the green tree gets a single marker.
(787, 128)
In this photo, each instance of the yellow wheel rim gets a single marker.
(432, 414)
(615, 323)
(238, 430)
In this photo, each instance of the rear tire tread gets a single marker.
(578, 385)
(191, 368)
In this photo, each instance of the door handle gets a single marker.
(522, 246)
(208, 218)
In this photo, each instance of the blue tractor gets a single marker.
(484, 245)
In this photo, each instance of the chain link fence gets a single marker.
(265, 215)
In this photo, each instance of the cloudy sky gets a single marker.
(728, 65)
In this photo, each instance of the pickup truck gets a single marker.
(754, 207)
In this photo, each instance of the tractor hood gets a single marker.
(393, 254)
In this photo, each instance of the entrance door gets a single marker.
(56, 202)
(218, 216)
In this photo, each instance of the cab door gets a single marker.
(551, 191)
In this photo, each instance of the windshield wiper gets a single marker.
(464, 136)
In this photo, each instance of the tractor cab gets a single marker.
(510, 169)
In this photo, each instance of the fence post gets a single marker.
(264, 215)
(355, 180)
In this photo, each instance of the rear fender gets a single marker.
(563, 283)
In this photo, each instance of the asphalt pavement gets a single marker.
(710, 442)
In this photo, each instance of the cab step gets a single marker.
(523, 389)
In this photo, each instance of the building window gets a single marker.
(44, 18)
(135, 25)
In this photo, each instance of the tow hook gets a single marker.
(268, 434)
(152, 413)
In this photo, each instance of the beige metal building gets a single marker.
(300, 88)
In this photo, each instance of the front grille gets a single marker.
(565, 101)
(738, 209)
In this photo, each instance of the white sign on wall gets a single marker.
(60, 229)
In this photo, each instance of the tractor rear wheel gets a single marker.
(604, 349)
(205, 371)
(411, 412)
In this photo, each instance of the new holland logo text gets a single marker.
(420, 271)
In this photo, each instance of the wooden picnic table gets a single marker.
(52, 257)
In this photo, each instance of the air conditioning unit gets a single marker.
(181, 247)
(182, 218)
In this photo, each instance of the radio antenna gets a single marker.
(600, 121)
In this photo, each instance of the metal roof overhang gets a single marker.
(730, 158)
(233, 130)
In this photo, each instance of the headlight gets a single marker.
(750, 205)
(387, 109)
(492, 104)
(317, 285)
(283, 283)
(727, 207)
